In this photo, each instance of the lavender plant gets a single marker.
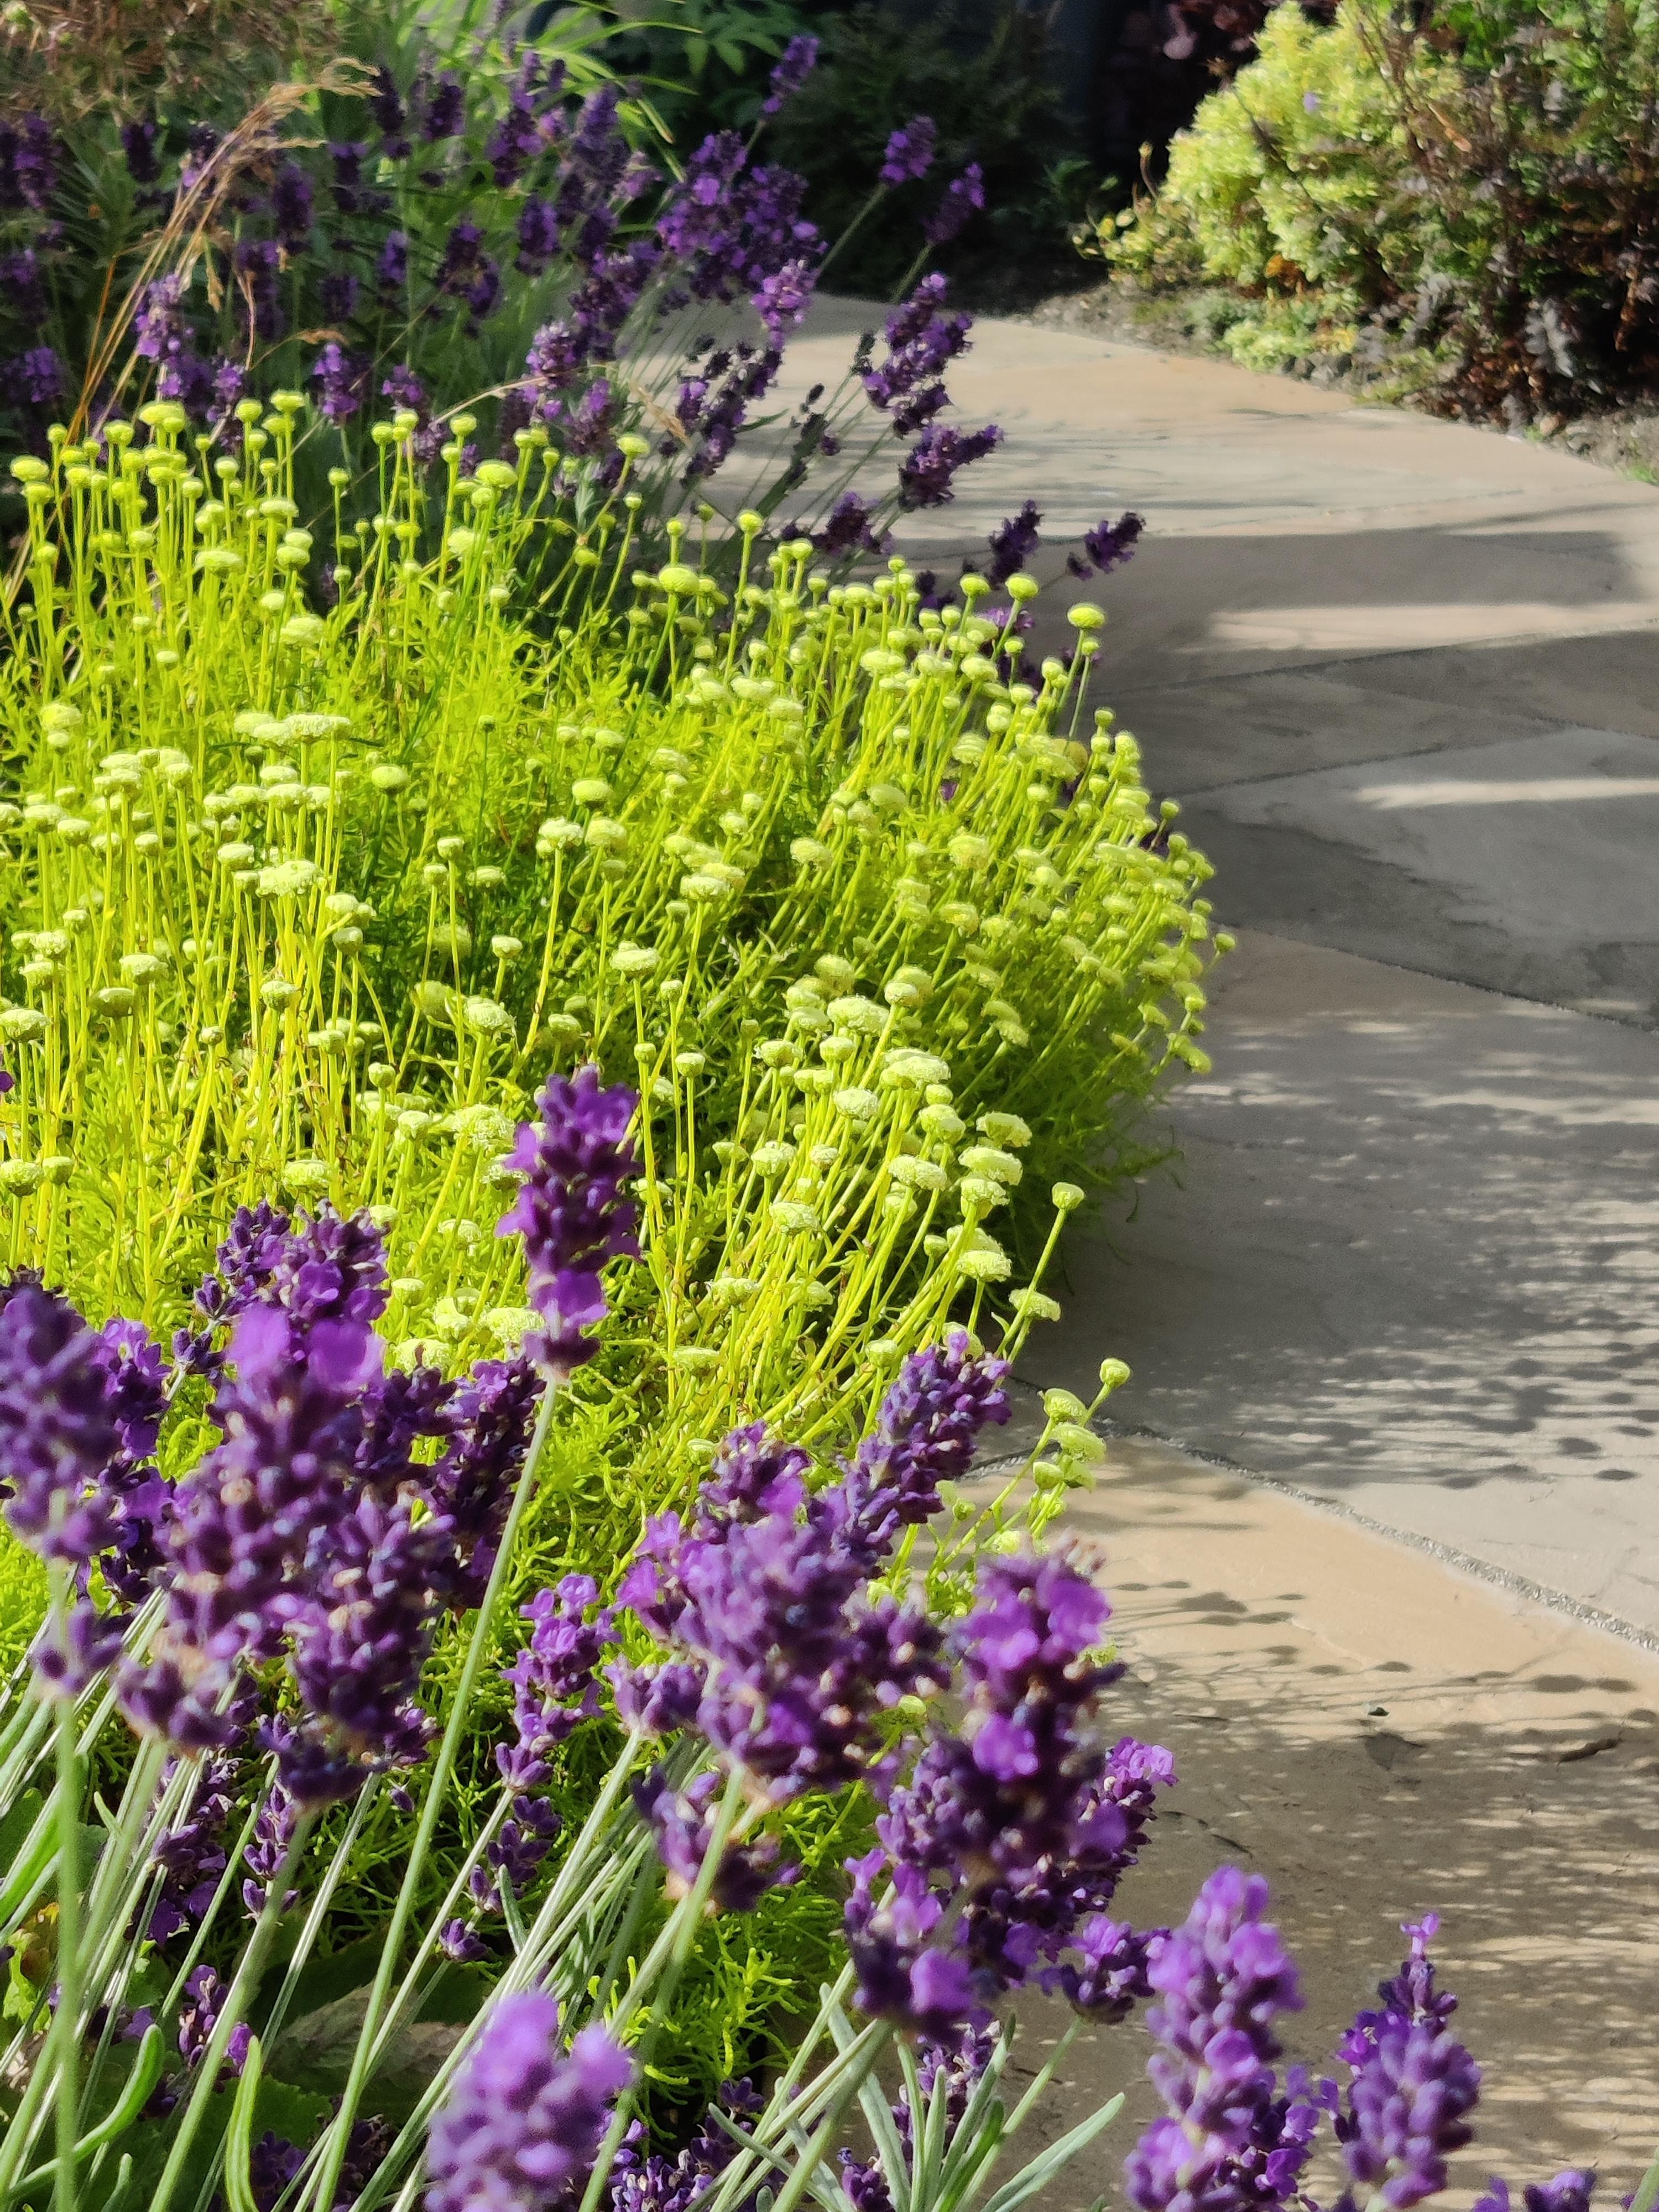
(262, 1623)
(301, 906)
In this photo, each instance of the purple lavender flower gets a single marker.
(342, 381)
(554, 1682)
(291, 206)
(734, 226)
(1017, 1818)
(1107, 546)
(925, 1430)
(783, 298)
(229, 386)
(683, 1824)
(752, 1475)
(902, 1975)
(346, 157)
(1223, 1978)
(910, 152)
(1413, 2085)
(330, 1268)
(385, 106)
(392, 269)
(256, 264)
(59, 1431)
(1110, 1974)
(192, 1853)
(136, 1384)
(570, 1210)
(336, 295)
(964, 196)
(492, 1414)
(245, 1519)
(138, 149)
(597, 145)
(849, 528)
(539, 235)
(1568, 2192)
(793, 1670)
(457, 1942)
(522, 2121)
(920, 340)
(37, 377)
(204, 1999)
(516, 141)
(359, 1634)
(266, 1854)
(28, 164)
(242, 1266)
(202, 142)
(642, 2182)
(1012, 544)
(446, 110)
(927, 472)
(795, 65)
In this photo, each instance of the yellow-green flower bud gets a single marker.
(991, 1160)
(791, 1215)
(486, 1017)
(856, 1103)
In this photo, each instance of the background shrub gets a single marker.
(1464, 197)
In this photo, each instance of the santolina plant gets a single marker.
(302, 906)
(264, 1619)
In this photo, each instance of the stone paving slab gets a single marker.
(1525, 863)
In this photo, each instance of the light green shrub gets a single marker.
(307, 906)
(1288, 186)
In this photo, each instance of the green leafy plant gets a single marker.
(1459, 197)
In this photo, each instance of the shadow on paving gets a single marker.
(1380, 1739)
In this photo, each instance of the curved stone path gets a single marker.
(1382, 1515)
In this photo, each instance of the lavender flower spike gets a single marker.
(1229, 2141)
(796, 64)
(523, 2123)
(964, 196)
(570, 1210)
(910, 151)
(1413, 2084)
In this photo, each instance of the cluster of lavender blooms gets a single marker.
(311, 1533)
(524, 2124)
(590, 229)
(920, 340)
(321, 245)
(1235, 2140)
